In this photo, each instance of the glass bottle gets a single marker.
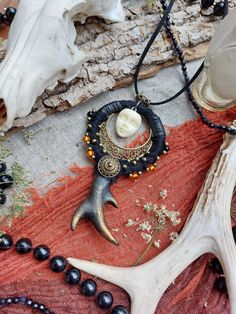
(215, 88)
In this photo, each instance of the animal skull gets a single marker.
(41, 50)
(208, 229)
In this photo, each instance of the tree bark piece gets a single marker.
(115, 50)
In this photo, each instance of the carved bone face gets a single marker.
(128, 122)
(42, 51)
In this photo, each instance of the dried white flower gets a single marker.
(163, 194)
(130, 223)
(157, 244)
(148, 207)
(173, 236)
(147, 237)
(145, 226)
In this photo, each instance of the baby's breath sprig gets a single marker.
(159, 218)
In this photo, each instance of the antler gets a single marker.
(208, 229)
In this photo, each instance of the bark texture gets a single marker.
(114, 51)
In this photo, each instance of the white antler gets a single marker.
(208, 229)
(41, 50)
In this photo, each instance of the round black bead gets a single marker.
(219, 8)
(42, 307)
(234, 233)
(6, 181)
(2, 301)
(16, 300)
(35, 305)
(58, 264)
(9, 301)
(29, 302)
(1, 18)
(6, 242)
(120, 309)
(220, 284)
(23, 246)
(206, 3)
(216, 266)
(105, 300)
(72, 276)
(2, 199)
(10, 13)
(41, 252)
(88, 287)
(5, 20)
(3, 166)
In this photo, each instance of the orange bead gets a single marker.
(152, 168)
(90, 153)
(86, 138)
(135, 175)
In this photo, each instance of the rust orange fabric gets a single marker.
(181, 172)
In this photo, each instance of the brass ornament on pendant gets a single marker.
(109, 167)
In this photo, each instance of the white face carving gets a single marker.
(128, 122)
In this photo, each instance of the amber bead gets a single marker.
(86, 138)
(152, 168)
(90, 153)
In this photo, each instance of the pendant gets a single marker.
(113, 161)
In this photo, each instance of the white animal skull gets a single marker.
(41, 50)
(128, 122)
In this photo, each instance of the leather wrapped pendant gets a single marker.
(113, 161)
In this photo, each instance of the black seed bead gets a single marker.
(1, 18)
(72, 276)
(29, 302)
(41, 252)
(2, 301)
(22, 300)
(219, 8)
(88, 287)
(6, 242)
(58, 264)
(23, 246)
(3, 166)
(234, 233)
(3, 199)
(5, 20)
(206, 3)
(16, 300)
(10, 13)
(220, 284)
(120, 309)
(216, 266)
(35, 305)
(42, 307)
(105, 300)
(6, 181)
(46, 311)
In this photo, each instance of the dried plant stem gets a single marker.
(141, 257)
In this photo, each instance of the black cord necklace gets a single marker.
(111, 160)
(165, 21)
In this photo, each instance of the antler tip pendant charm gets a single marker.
(92, 208)
(113, 161)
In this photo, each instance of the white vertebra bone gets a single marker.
(208, 229)
(41, 50)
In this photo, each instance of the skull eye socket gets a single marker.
(134, 123)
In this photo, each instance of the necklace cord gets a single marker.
(165, 21)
